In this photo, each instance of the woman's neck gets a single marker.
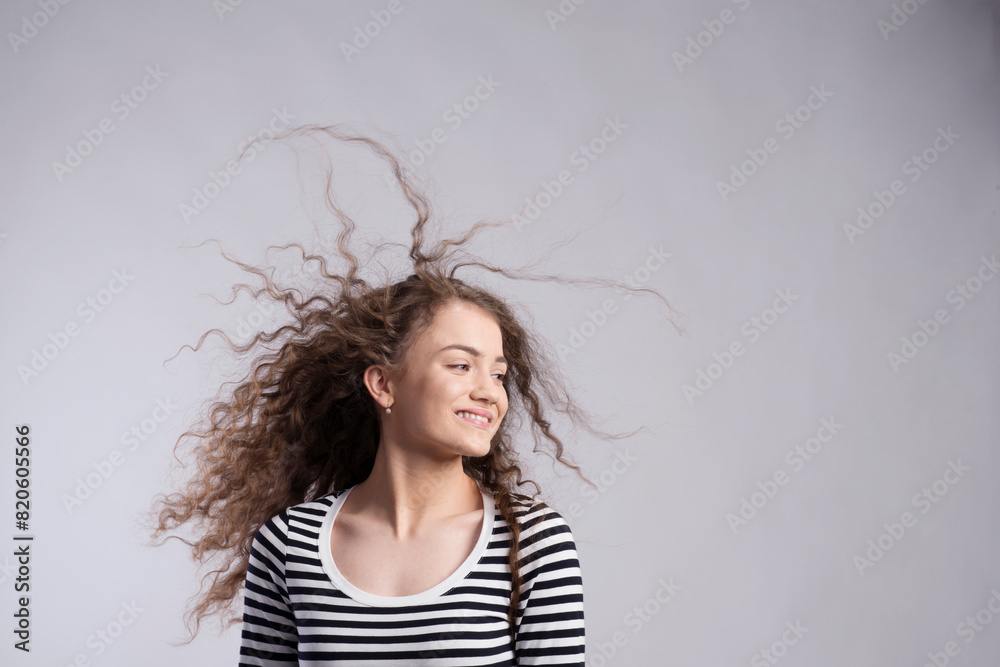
(406, 492)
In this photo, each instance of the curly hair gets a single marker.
(301, 423)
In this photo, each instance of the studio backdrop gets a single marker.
(813, 187)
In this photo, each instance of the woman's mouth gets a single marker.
(473, 419)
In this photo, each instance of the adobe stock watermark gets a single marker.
(223, 7)
(771, 655)
(122, 107)
(220, 180)
(752, 329)
(636, 620)
(924, 500)
(786, 126)
(31, 24)
(581, 158)
(796, 458)
(960, 295)
(251, 323)
(104, 637)
(564, 10)
(88, 310)
(696, 44)
(914, 167)
(454, 116)
(303, 270)
(623, 462)
(363, 35)
(8, 568)
(968, 629)
(898, 17)
(596, 319)
(131, 439)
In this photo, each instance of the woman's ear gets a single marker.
(379, 385)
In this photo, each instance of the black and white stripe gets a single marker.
(300, 610)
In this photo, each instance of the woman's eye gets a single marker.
(503, 376)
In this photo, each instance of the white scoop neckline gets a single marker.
(352, 591)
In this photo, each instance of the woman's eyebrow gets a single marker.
(471, 350)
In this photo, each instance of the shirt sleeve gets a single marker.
(269, 633)
(550, 629)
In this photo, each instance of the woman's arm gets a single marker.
(269, 633)
(550, 630)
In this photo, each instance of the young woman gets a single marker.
(362, 482)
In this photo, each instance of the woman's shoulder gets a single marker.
(538, 521)
(307, 514)
(312, 512)
(532, 507)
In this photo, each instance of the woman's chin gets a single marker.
(476, 451)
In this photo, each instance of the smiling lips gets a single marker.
(481, 421)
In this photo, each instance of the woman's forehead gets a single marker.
(463, 324)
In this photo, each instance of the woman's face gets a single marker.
(455, 367)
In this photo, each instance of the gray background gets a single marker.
(660, 514)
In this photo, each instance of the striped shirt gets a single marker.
(300, 609)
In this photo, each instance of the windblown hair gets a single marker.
(302, 424)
